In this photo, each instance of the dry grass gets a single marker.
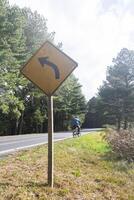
(84, 170)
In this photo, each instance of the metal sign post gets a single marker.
(50, 141)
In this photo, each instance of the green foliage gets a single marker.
(35, 30)
(69, 101)
(96, 115)
(15, 90)
(117, 92)
(114, 104)
(23, 107)
(38, 117)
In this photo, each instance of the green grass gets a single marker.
(84, 169)
(92, 143)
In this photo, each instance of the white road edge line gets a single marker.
(29, 146)
(14, 142)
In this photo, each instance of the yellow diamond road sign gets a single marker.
(48, 68)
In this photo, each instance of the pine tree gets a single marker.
(69, 101)
(117, 92)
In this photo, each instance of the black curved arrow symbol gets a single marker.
(44, 61)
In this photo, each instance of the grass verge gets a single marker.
(85, 169)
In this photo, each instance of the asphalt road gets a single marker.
(9, 144)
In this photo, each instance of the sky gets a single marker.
(92, 33)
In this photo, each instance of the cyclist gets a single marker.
(75, 123)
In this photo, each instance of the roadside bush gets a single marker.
(122, 143)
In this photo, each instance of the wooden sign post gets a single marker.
(48, 68)
(50, 141)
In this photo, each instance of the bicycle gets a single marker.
(76, 131)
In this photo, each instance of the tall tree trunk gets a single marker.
(125, 123)
(16, 127)
(13, 127)
(21, 124)
(118, 123)
(37, 128)
(41, 128)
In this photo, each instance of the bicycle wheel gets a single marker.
(74, 132)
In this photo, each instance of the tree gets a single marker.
(11, 41)
(97, 114)
(68, 101)
(117, 92)
(92, 119)
(14, 51)
(23, 107)
(35, 30)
